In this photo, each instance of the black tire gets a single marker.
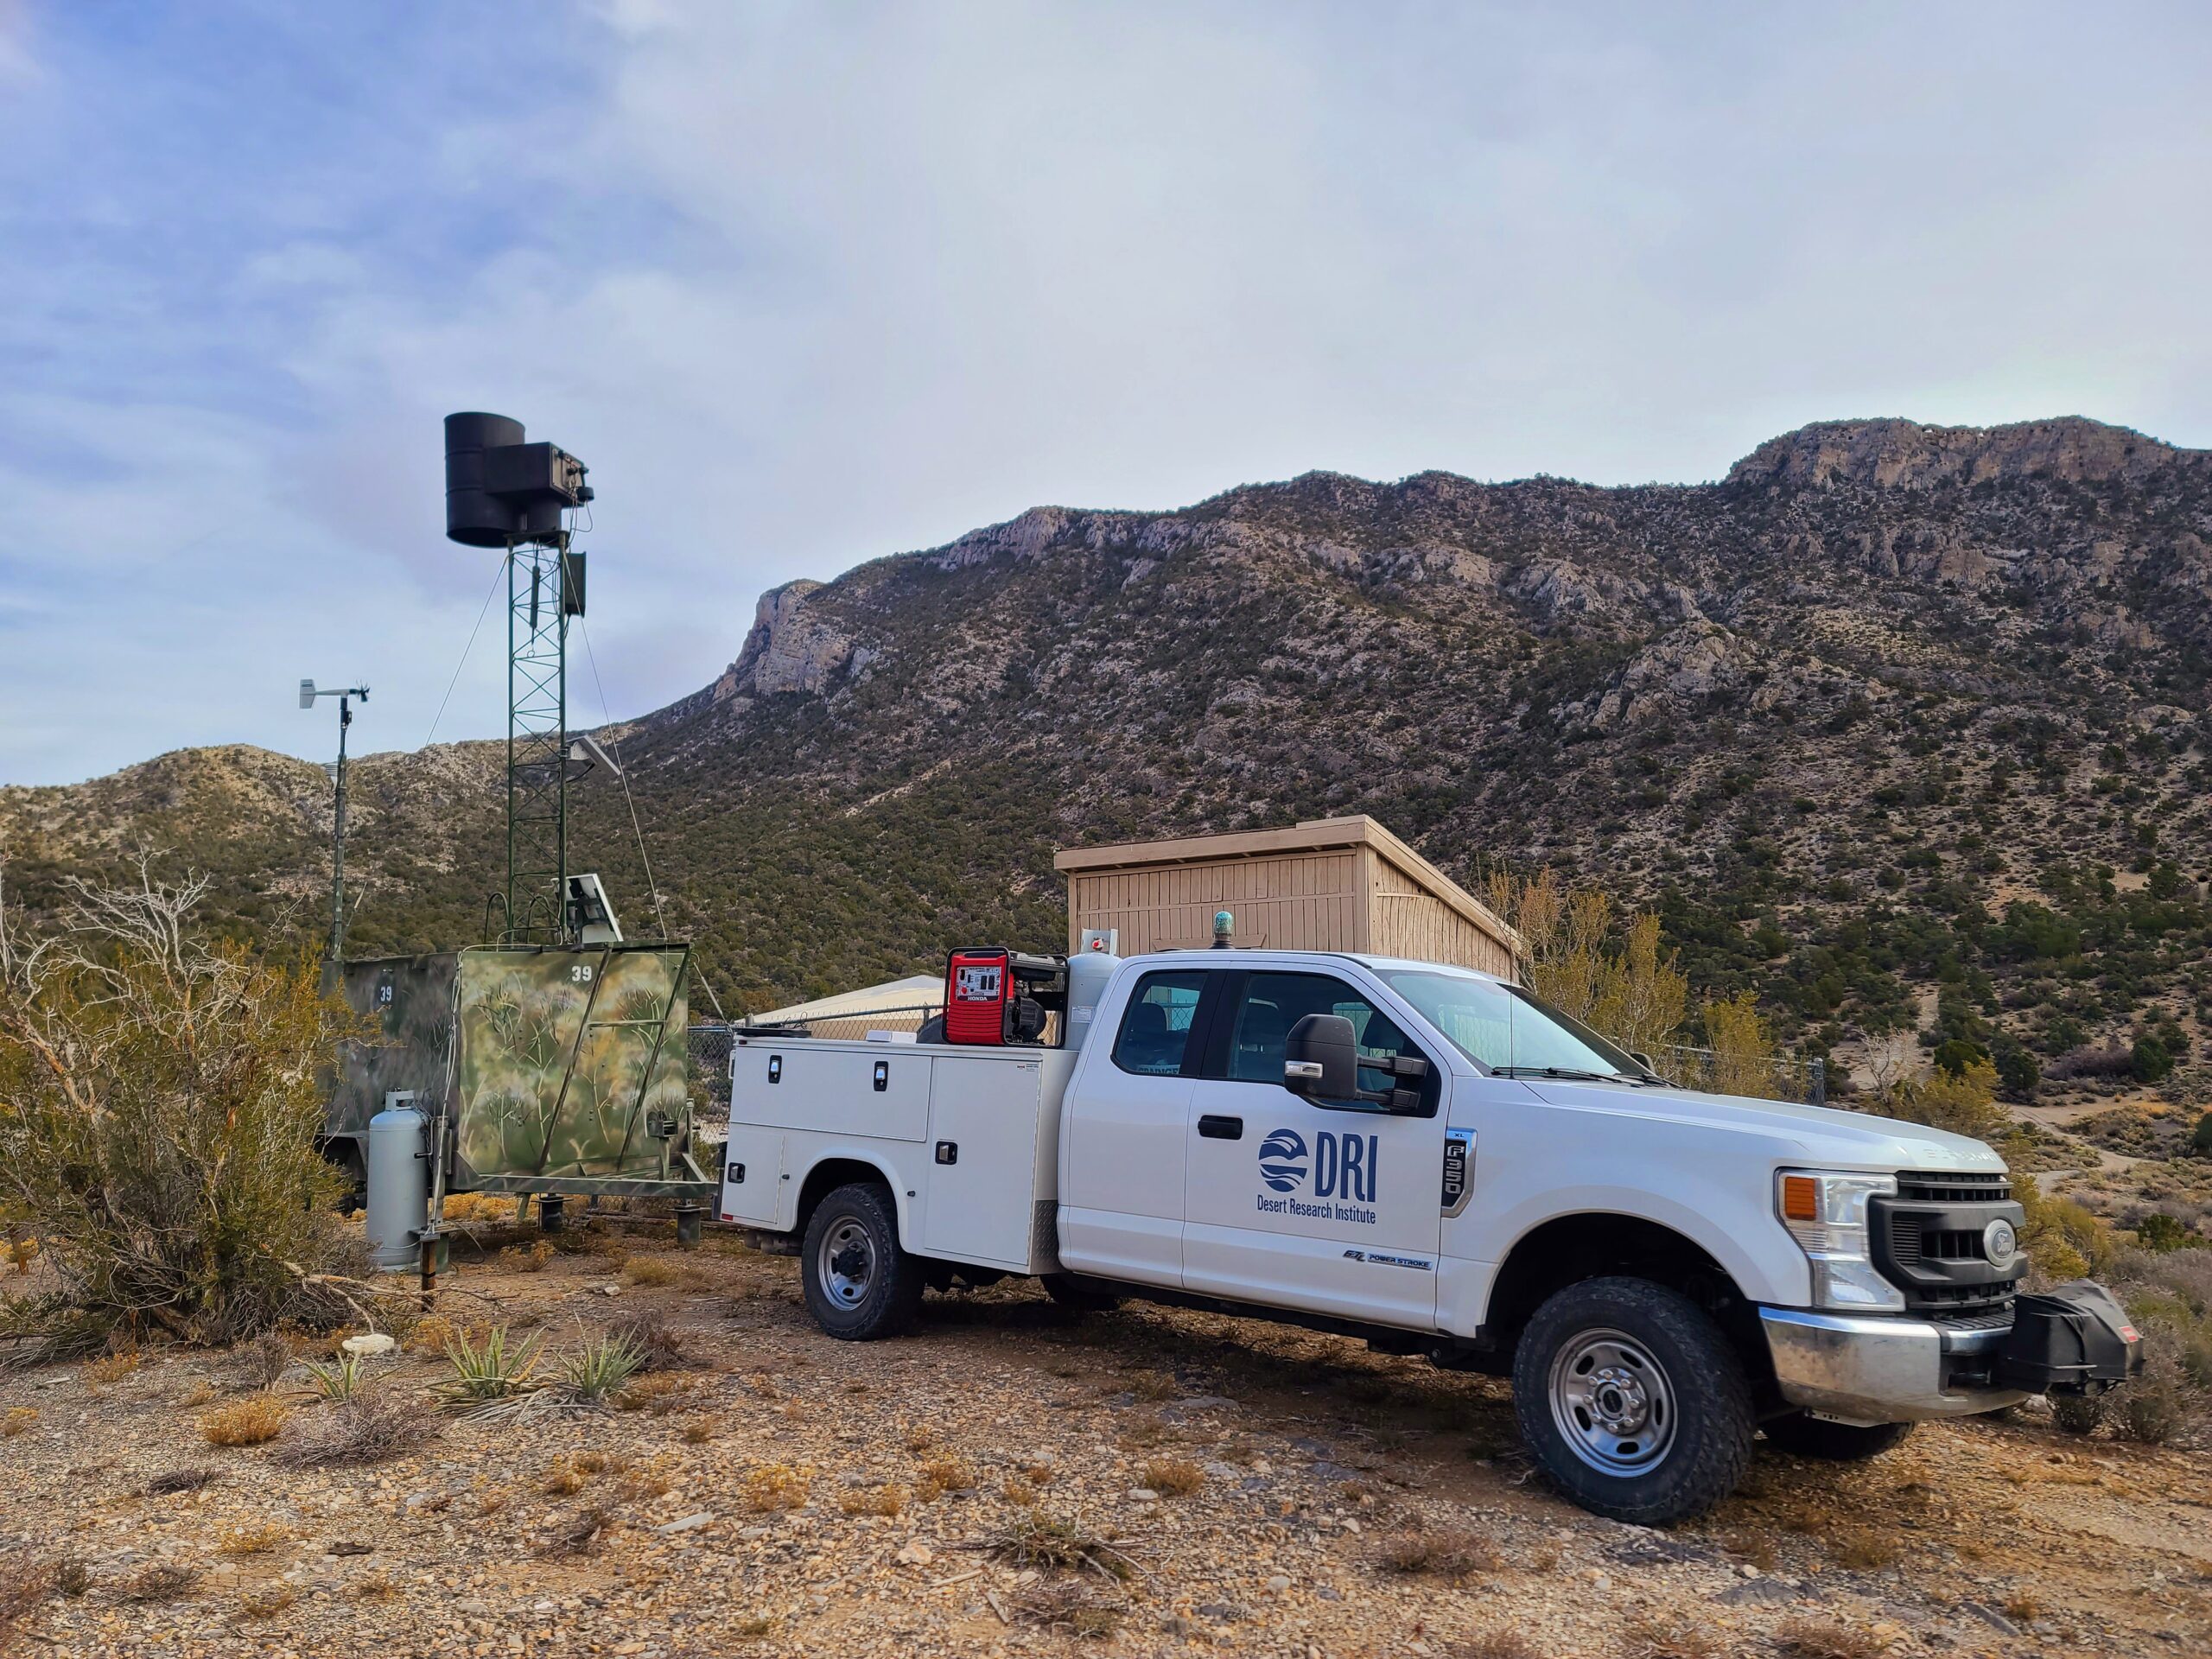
(1811, 1437)
(1652, 1421)
(861, 1285)
(1078, 1299)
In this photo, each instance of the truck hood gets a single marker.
(1816, 1136)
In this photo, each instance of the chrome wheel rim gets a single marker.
(1613, 1402)
(845, 1266)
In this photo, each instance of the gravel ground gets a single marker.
(1226, 1485)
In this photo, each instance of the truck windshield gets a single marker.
(1507, 1030)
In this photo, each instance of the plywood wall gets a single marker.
(1405, 920)
(1291, 902)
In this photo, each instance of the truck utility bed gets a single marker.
(990, 1117)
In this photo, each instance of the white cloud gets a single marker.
(809, 284)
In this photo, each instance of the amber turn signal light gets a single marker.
(1801, 1198)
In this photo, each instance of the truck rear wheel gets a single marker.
(860, 1283)
(1633, 1401)
(1813, 1437)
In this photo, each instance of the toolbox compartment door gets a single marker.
(982, 1159)
(752, 1175)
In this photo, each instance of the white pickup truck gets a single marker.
(1429, 1159)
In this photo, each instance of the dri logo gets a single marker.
(1344, 1165)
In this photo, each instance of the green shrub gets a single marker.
(158, 1112)
(2150, 1060)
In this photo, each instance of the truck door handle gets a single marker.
(1212, 1126)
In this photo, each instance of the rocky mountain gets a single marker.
(1902, 726)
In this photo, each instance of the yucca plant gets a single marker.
(492, 1372)
(602, 1366)
(340, 1380)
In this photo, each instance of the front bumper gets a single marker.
(1868, 1369)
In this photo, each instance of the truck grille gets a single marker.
(1952, 1189)
(1929, 1243)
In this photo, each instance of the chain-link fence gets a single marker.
(1764, 1077)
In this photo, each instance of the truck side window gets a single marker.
(1156, 1026)
(1273, 1003)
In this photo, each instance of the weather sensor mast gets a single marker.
(504, 493)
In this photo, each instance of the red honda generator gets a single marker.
(996, 998)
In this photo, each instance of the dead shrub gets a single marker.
(373, 1427)
(889, 1502)
(700, 1430)
(181, 1480)
(72, 1577)
(253, 1421)
(1430, 1555)
(373, 1587)
(18, 1420)
(658, 1393)
(1497, 1645)
(1071, 1607)
(564, 1479)
(1036, 1539)
(163, 1581)
(2078, 1414)
(655, 1336)
(2022, 1608)
(24, 1582)
(919, 1438)
(1810, 1638)
(1173, 1476)
(582, 1533)
(1651, 1638)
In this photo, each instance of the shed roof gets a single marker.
(1313, 835)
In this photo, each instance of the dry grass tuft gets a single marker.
(249, 1540)
(1152, 1386)
(1429, 1554)
(1497, 1644)
(1652, 1638)
(942, 1475)
(163, 1581)
(1809, 1639)
(375, 1586)
(266, 1600)
(111, 1368)
(650, 1330)
(919, 1438)
(24, 1582)
(776, 1486)
(650, 1271)
(253, 1421)
(72, 1577)
(889, 1502)
(1866, 1551)
(372, 1426)
(18, 1420)
(699, 1430)
(2022, 1608)
(1173, 1476)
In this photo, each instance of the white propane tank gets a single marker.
(399, 1188)
(1088, 972)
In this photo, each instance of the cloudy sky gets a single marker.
(807, 283)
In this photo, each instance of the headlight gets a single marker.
(1827, 1214)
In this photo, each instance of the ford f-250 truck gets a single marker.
(1427, 1158)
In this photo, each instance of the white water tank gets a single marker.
(399, 1186)
(1088, 973)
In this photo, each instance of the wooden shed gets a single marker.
(1329, 884)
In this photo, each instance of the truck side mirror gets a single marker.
(1320, 1058)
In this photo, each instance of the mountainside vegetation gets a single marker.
(1901, 728)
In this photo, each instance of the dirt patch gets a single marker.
(1144, 1482)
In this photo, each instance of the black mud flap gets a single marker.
(2075, 1339)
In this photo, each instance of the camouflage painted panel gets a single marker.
(410, 998)
(531, 1020)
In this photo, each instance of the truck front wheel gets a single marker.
(1633, 1401)
(860, 1283)
(1814, 1437)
